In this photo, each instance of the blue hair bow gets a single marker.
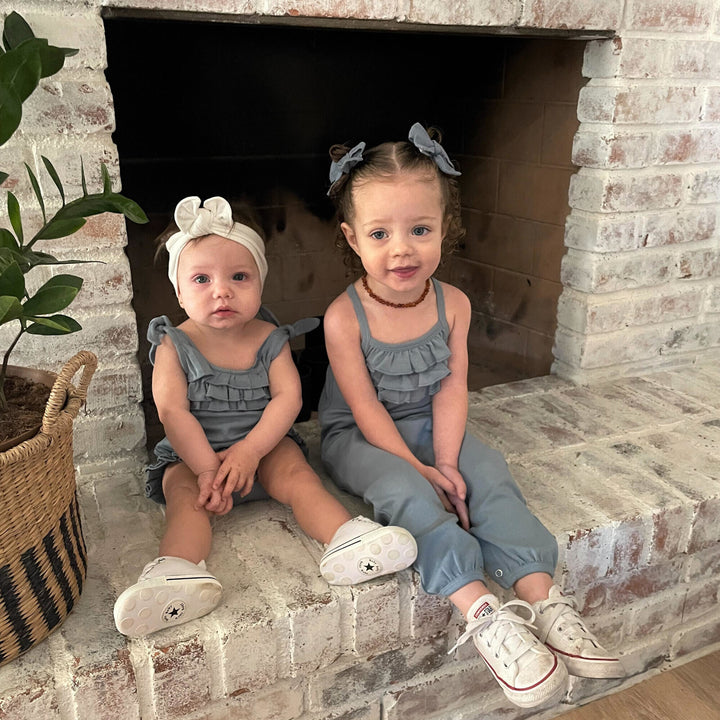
(421, 140)
(346, 163)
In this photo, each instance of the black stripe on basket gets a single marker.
(77, 532)
(47, 605)
(57, 567)
(11, 600)
(71, 553)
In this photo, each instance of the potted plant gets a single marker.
(42, 550)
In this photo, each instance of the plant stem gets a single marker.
(3, 370)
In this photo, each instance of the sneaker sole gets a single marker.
(552, 687)
(155, 604)
(376, 553)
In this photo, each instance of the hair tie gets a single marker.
(421, 140)
(214, 218)
(346, 163)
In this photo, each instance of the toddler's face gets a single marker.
(218, 282)
(397, 230)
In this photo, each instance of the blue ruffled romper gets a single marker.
(227, 403)
(506, 541)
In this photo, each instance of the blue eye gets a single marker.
(200, 279)
(420, 231)
(239, 276)
(378, 235)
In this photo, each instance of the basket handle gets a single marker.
(58, 394)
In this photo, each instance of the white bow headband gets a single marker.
(214, 218)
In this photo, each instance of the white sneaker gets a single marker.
(561, 628)
(528, 673)
(362, 549)
(170, 591)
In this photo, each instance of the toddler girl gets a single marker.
(393, 414)
(227, 393)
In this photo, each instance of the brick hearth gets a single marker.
(624, 473)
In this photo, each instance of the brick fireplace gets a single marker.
(616, 272)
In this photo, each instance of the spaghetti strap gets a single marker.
(360, 313)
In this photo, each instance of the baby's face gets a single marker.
(219, 284)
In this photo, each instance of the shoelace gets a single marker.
(504, 624)
(564, 618)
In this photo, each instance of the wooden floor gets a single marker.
(689, 692)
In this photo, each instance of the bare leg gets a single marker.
(534, 587)
(467, 595)
(287, 477)
(188, 533)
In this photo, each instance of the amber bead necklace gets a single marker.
(377, 298)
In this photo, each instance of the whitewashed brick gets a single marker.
(625, 56)
(696, 145)
(696, 225)
(704, 186)
(72, 26)
(711, 107)
(569, 14)
(693, 59)
(601, 233)
(669, 15)
(636, 103)
(589, 272)
(611, 148)
(595, 191)
(101, 437)
(70, 107)
(582, 312)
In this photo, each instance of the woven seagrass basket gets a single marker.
(42, 550)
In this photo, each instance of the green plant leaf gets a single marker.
(36, 188)
(7, 240)
(55, 325)
(107, 183)
(10, 113)
(16, 31)
(10, 309)
(52, 172)
(20, 69)
(50, 299)
(98, 203)
(13, 207)
(60, 228)
(12, 281)
(3, 177)
(83, 183)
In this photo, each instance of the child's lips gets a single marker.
(404, 272)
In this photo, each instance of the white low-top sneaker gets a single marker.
(170, 591)
(528, 673)
(561, 628)
(362, 550)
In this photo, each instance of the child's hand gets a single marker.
(451, 492)
(237, 470)
(457, 498)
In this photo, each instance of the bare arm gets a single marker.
(450, 404)
(169, 388)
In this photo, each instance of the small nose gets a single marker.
(400, 245)
(222, 289)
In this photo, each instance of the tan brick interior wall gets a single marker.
(517, 163)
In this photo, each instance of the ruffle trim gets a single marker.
(411, 374)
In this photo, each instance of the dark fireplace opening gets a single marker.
(249, 111)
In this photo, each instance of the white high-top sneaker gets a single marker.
(528, 673)
(362, 549)
(170, 591)
(561, 628)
